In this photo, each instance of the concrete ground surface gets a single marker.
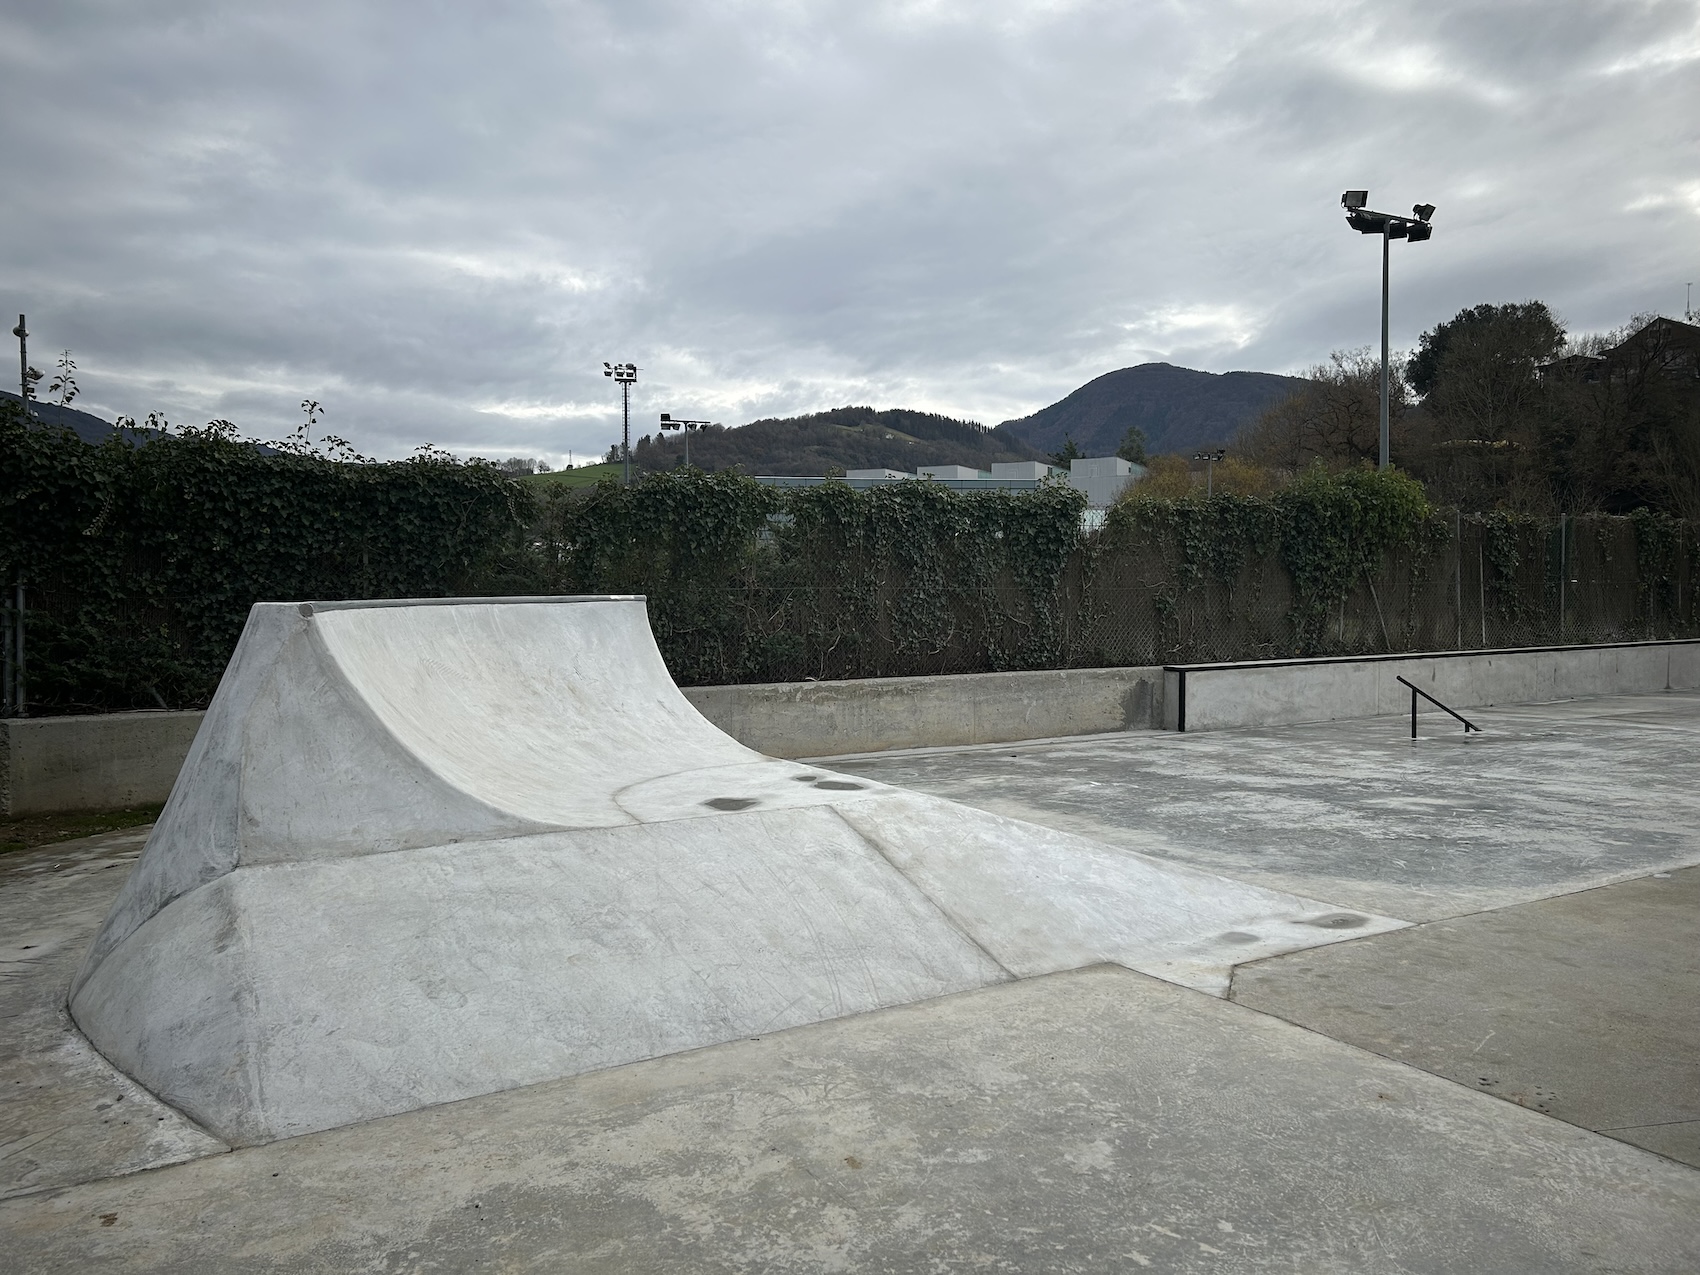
(1586, 1007)
(1548, 799)
(1459, 1095)
(66, 1115)
(1095, 1121)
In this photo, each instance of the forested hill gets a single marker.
(85, 425)
(1177, 408)
(844, 438)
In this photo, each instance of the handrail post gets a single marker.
(1413, 712)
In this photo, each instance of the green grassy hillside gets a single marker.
(583, 476)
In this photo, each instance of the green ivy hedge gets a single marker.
(141, 561)
(1328, 530)
(752, 582)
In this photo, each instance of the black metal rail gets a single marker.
(1416, 691)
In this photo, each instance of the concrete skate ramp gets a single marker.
(421, 851)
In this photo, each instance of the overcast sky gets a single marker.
(438, 219)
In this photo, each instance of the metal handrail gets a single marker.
(1416, 691)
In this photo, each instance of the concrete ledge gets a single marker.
(101, 762)
(1286, 692)
(869, 715)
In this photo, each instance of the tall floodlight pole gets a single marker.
(625, 375)
(667, 422)
(1414, 228)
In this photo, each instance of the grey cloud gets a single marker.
(422, 214)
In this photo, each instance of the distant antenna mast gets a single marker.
(1687, 313)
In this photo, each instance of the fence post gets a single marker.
(1458, 575)
(5, 659)
(1481, 579)
(19, 707)
(1563, 572)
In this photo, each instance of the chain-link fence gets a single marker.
(1487, 582)
(1476, 582)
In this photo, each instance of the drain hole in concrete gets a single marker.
(1238, 936)
(839, 785)
(1337, 921)
(732, 803)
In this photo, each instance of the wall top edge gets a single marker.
(362, 604)
(1059, 674)
(1425, 655)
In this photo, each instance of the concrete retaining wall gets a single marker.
(104, 762)
(1284, 692)
(824, 719)
(123, 759)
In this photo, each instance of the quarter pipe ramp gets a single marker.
(426, 850)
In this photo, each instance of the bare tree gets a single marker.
(1335, 418)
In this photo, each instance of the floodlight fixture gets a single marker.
(625, 376)
(1414, 229)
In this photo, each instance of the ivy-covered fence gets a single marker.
(140, 564)
(754, 583)
(1237, 579)
(751, 583)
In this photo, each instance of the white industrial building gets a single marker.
(1101, 478)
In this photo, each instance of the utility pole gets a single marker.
(24, 387)
(15, 650)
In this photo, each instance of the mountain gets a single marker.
(85, 425)
(844, 438)
(1179, 409)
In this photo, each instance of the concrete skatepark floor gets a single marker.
(1550, 799)
(1455, 1096)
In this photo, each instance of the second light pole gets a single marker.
(667, 422)
(1210, 459)
(1415, 228)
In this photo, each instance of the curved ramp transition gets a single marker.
(426, 850)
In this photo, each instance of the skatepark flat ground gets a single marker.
(1509, 1085)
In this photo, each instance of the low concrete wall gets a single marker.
(123, 759)
(91, 763)
(824, 719)
(1284, 692)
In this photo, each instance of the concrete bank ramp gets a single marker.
(426, 850)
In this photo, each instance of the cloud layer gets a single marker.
(438, 220)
